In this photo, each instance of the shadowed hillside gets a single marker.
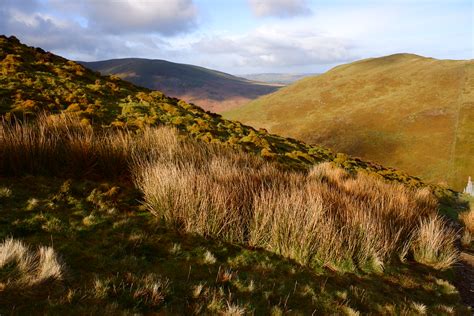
(403, 110)
(210, 89)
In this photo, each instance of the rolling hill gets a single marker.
(210, 89)
(406, 111)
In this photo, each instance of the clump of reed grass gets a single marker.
(322, 217)
(434, 243)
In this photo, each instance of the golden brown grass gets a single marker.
(433, 243)
(323, 217)
(468, 219)
(60, 145)
(326, 216)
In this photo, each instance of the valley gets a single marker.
(210, 89)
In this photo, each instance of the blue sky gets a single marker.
(244, 36)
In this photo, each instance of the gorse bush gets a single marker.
(326, 216)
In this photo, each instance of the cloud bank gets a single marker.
(276, 47)
(98, 29)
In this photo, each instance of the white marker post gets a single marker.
(469, 188)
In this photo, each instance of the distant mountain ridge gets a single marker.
(210, 89)
(278, 78)
(407, 111)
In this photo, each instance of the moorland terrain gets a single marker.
(116, 199)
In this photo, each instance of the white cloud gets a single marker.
(279, 8)
(158, 16)
(273, 46)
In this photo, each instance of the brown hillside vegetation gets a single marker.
(325, 216)
(346, 240)
(403, 110)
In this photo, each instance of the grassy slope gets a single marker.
(401, 110)
(32, 80)
(108, 242)
(103, 225)
(211, 89)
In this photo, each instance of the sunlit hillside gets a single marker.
(405, 111)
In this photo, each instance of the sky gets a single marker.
(244, 36)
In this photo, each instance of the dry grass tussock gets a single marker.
(21, 268)
(468, 219)
(325, 216)
(61, 145)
